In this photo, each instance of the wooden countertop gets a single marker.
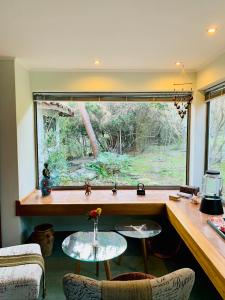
(96, 196)
(70, 202)
(206, 245)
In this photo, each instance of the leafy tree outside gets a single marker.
(104, 142)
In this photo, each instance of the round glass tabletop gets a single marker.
(79, 246)
(141, 229)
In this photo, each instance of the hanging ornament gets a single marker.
(182, 101)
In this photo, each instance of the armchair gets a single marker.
(22, 281)
(173, 286)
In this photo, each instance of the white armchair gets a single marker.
(20, 282)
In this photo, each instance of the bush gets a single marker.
(58, 166)
(109, 164)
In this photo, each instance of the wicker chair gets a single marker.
(20, 282)
(174, 286)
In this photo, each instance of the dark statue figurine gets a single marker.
(87, 187)
(46, 172)
(46, 185)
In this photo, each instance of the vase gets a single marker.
(95, 233)
(46, 186)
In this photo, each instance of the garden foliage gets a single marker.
(134, 141)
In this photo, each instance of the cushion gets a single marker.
(81, 287)
(20, 282)
(173, 286)
(126, 290)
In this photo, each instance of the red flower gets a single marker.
(93, 213)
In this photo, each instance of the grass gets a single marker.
(160, 167)
(157, 166)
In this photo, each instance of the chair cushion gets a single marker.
(126, 290)
(81, 287)
(20, 282)
(173, 286)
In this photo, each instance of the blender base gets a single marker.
(211, 207)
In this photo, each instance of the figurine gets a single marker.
(46, 172)
(196, 199)
(87, 187)
(114, 190)
(46, 186)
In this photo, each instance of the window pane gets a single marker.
(104, 142)
(216, 158)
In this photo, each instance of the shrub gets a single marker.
(109, 164)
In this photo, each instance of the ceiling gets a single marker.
(122, 34)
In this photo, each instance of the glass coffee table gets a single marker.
(140, 229)
(79, 246)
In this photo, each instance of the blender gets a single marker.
(212, 193)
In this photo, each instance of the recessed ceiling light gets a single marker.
(97, 62)
(178, 63)
(211, 30)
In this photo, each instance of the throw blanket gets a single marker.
(126, 290)
(23, 259)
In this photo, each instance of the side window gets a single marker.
(216, 135)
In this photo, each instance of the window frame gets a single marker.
(160, 97)
(207, 136)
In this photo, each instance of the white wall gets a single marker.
(25, 131)
(17, 163)
(9, 190)
(107, 81)
(211, 74)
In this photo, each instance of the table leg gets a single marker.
(107, 270)
(97, 268)
(119, 260)
(145, 255)
(77, 267)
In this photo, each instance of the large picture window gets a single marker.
(216, 135)
(114, 141)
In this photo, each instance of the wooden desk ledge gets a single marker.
(206, 245)
(70, 202)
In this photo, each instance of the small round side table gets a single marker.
(79, 246)
(141, 229)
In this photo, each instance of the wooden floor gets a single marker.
(204, 243)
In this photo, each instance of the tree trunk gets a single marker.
(61, 107)
(120, 138)
(88, 126)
